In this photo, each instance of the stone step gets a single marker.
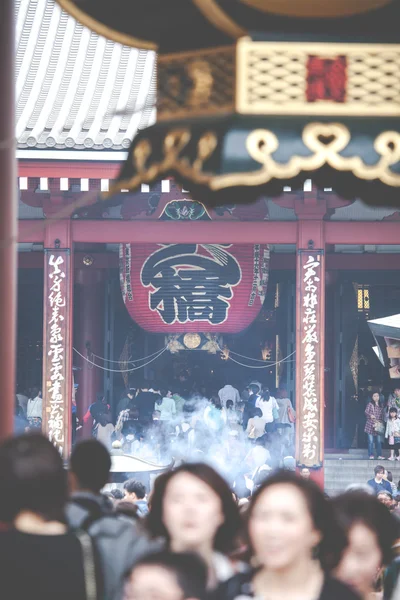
(342, 472)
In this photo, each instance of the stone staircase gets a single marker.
(354, 466)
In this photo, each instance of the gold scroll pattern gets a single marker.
(325, 140)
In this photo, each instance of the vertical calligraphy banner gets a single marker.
(310, 348)
(57, 368)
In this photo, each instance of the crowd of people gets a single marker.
(62, 537)
(160, 425)
(383, 425)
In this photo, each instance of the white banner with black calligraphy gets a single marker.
(310, 349)
(56, 368)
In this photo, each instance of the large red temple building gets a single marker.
(80, 100)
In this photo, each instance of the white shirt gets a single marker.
(167, 409)
(228, 392)
(267, 408)
(34, 408)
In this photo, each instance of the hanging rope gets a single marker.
(120, 370)
(248, 357)
(129, 362)
(263, 366)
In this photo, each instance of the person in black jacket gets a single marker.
(39, 556)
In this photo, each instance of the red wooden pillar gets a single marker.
(8, 220)
(89, 340)
(58, 334)
(310, 345)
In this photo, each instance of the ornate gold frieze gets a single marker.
(196, 83)
(325, 141)
(277, 78)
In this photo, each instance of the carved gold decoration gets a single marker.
(316, 8)
(272, 78)
(354, 365)
(196, 83)
(101, 29)
(225, 353)
(325, 140)
(192, 340)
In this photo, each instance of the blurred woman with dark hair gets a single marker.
(39, 557)
(294, 541)
(193, 510)
(372, 532)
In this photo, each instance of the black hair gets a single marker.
(99, 396)
(265, 394)
(229, 404)
(117, 494)
(333, 538)
(257, 412)
(254, 388)
(189, 569)
(379, 469)
(132, 486)
(128, 509)
(90, 462)
(393, 409)
(32, 478)
(226, 536)
(357, 507)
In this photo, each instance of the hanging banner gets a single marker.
(179, 288)
(56, 368)
(310, 358)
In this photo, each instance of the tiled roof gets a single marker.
(75, 89)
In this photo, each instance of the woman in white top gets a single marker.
(34, 409)
(256, 425)
(166, 406)
(268, 405)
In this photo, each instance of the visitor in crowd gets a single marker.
(129, 511)
(34, 409)
(126, 401)
(233, 415)
(145, 402)
(374, 426)
(167, 576)
(103, 431)
(305, 473)
(394, 400)
(165, 404)
(371, 532)
(295, 543)
(96, 411)
(20, 422)
(117, 494)
(215, 415)
(192, 510)
(269, 407)
(39, 557)
(393, 434)
(23, 398)
(135, 492)
(254, 395)
(385, 498)
(286, 418)
(389, 478)
(228, 392)
(378, 483)
(119, 543)
(256, 425)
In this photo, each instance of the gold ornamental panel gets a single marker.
(273, 78)
(196, 83)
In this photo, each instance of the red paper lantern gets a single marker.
(178, 288)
